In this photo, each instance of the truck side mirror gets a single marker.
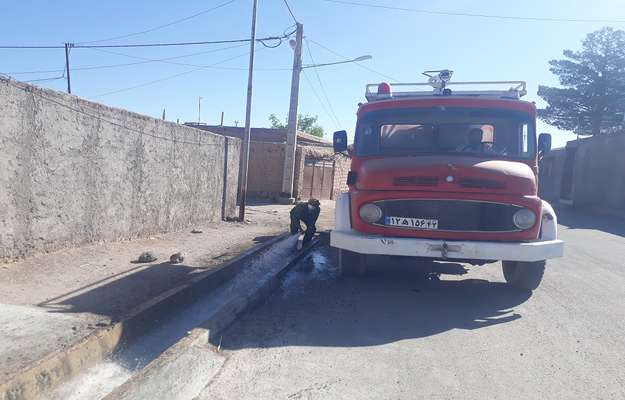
(339, 141)
(544, 143)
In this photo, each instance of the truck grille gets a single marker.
(455, 215)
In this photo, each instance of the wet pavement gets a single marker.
(406, 331)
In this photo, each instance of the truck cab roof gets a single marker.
(447, 101)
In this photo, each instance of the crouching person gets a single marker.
(307, 213)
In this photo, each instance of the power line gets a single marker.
(166, 61)
(321, 103)
(161, 26)
(166, 44)
(355, 62)
(45, 79)
(323, 90)
(473, 15)
(286, 3)
(165, 78)
(102, 46)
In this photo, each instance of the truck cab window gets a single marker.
(496, 133)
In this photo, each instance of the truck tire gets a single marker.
(349, 263)
(523, 275)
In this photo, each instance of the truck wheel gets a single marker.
(349, 263)
(523, 275)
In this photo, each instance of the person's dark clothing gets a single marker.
(301, 212)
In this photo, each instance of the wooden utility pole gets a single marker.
(245, 148)
(69, 81)
(199, 109)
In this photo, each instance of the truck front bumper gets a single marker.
(446, 249)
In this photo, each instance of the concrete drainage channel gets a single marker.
(168, 349)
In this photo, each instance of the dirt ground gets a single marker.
(51, 301)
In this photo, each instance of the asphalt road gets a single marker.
(401, 335)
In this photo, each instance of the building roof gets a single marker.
(273, 135)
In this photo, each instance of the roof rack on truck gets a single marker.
(439, 83)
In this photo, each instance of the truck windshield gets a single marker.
(481, 132)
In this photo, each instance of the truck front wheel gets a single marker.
(348, 263)
(523, 275)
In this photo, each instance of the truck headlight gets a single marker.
(524, 218)
(370, 213)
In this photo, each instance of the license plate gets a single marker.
(415, 223)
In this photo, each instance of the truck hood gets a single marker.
(446, 174)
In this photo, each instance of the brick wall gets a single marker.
(342, 165)
(265, 169)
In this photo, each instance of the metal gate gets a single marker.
(318, 179)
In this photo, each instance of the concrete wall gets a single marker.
(550, 174)
(74, 172)
(598, 172)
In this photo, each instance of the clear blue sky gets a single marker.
(403, 44)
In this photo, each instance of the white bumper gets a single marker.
(343, 237)
(398, 246)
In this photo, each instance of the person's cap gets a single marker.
(313, 202)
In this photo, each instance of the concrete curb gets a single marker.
(59, 366)
(184, 369)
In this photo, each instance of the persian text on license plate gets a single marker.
(415, 223)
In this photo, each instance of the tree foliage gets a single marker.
(305, 123)
(591, 100)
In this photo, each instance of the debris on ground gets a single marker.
(176, 258)
(196, 231)
(146, 256)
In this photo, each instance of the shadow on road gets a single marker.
(116, 294)
(580, 219)
(315, 308)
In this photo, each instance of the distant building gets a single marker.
(319, 172)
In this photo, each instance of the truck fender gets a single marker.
(342, 220)
(548, 222)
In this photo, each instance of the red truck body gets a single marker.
(422, 185)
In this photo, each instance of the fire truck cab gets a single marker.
(446, 174)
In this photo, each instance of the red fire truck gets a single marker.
(446, 174)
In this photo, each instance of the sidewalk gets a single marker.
(51, 301)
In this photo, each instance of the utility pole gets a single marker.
(291, 132)
(199, 109)
(245, 149)
(69, 81)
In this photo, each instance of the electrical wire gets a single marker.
(286, 3)
(355, 62)
(56, 78)
(473, 15)
(161, 26)
(323, 90)
(166, 61)
(166, 44)
(321, 103)
(165, 78)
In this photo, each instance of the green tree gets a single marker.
(592, 99)
(305, 123)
